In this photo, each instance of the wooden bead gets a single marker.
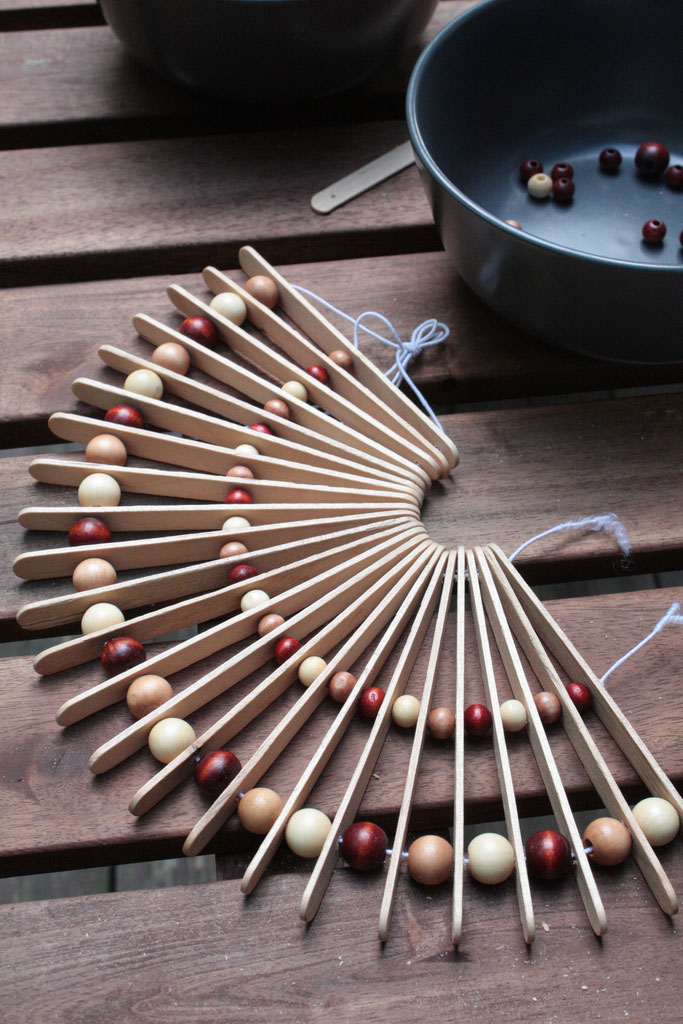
(371, 700)
(216, 770)
(610, 839)
(514, 224)
(253, 599)
(92, 573)
(478, 720)
(101, 616)
(99, 489)
(405, 711)
(318, 373)
(307, 831)
(342, 358)
(658, 819)
(441, 723)
(232, 548)
(296, 390)
(170, 737)
(513, 715)
(310, 669)
(268, 623)
(238, 496)
(277, 407)
(491, 858)
(126, 416)
(122, 652)
(539, 186)
(548, 855)
(548, 706)
(144, 382)
(241, 472)
(364, 846)
(89, 530)
(340, 686)
(147, 693)
(246, 449)
(580, 696)
(230, 306)
(285, 648)
(263, 289)
(172, 356)
(106, 448)
(199, 329)
(430, 860)
(235, 523)
(240, 573)
(258, 810)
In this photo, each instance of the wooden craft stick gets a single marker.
(328, 338)
(540, 745)
(583, 743)
(416, 751)
(358, 417)
(459, 756)
(322, 604)
(324, 866)
(343, 383)
(507, 790)
(363, 178)
(605, 707)
(336, 731)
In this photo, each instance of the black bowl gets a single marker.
(517, 79)
(266, 50)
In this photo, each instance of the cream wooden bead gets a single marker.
(491, 858)
(258, 810)
(658, 819)
(230, 306)
(296, 390)
(246, 449)
(170, 737)
(405, 710)
(147, 693)
(307, 831)
(253, 599)
(236, 523)
(172, 356)
(513, 714)
(99, 489)
(144, 382)
(101, 616)
(310, 669)
(106, 448)
(92, 573)
(540, 186)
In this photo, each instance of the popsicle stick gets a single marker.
(507, 791)
(328, 338)
(364, 178)
(335, 733)
(324, 866)
(322, 604)
(416, 751)
(459, 755)
(342, 383)
(540, 746)
(359, 416)
(605, 707)
(583, 743)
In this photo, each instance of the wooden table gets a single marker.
(117, 183)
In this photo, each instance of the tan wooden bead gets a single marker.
(99, 489)
(491, 858)
(610, 839)
(548, 706)
(513, 715)
(147, 693)
(430, 860)
(100, 616)
(144, 382)
(277, 407)
(296, 390)
(263, 289)
(235, 524)
(310, 669)
(92, 573)
(342, 358)
(232, 548)
(340, 686)
(405, 711)
(172, 356)
(230, 306)
(253, 599)
(246, 449)
(658, 819)
(170, 737)
(106, 448)
(539, 186)
(268, 623)
(441, 723)
(241, 472)
(307, 831)
(258, 810)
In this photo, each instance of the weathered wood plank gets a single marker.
(59, 815)
(175, 954)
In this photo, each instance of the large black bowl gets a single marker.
(513, 79)
(266, 50)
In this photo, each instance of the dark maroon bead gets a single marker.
(241, 572)
(89, 530)
(371, 701)
(215, 770)
(563, 190)
(285, 648)
(364, 846)
(238, 496)
(651, 159)
(200, 329)
(654, 231)
(680, 238)
(529, 168)
(548, 855)
(318, 373)
(580, 696)
(261, 428)
(478, 720)
(609, 159)
(122, 652)
(126, 416)
(674, 177)
(562, 171)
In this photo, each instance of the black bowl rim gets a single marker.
(425, 157)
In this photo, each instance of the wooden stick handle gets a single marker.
(459, 752)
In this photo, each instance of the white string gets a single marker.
(428, 333)
(609, 522)
(671, 618)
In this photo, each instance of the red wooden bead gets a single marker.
(364, 846)
(478, 720)
(562, 171)
(122, 652)
(238, 497)
(89, 530)
(654, 231)
(674, 177)
(548, 855)
(241, 572)
(609, 159)
(261, 428)
(371, 701)
(580, 696)
(215, 770)
(199, 328)
(318, 373)
(563, 190)
(125, 415)
(529, 168)
(651, 159)
(285, 647)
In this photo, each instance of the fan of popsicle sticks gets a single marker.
(353, 571)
